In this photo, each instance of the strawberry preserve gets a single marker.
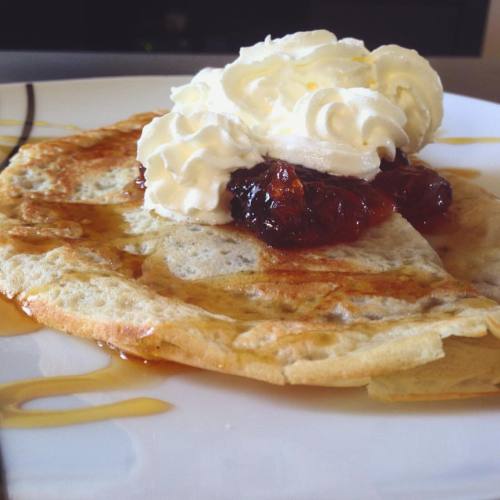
(293, 206)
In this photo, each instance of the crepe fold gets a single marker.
(81, 253)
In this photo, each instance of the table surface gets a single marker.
(462, 75)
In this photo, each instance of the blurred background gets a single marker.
(434, 27)
(80, 39)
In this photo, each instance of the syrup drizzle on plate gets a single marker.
(461, 141)
(10, 140)
(13, 321)
(119, 374)
(467, 173)
(11, 122)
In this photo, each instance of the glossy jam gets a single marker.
(293, 206)
(141, 178)
(120, 374)
(419, 193)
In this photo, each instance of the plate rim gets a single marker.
(97, 79)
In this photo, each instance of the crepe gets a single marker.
(469, 245)
(80, 252)
(470, 368)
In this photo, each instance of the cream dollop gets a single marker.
(265, 82)
(188, 161)
(307, 98)
(409, 81)
(340, 131)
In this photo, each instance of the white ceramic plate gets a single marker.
(230, 438)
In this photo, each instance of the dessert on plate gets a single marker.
(268, 226)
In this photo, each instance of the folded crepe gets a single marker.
(469, 247)
(81, 253)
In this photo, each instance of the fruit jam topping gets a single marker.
(419, 193)
(141, 178)
(289, 205)
(293, 206)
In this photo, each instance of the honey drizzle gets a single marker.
(117, 375)
(11, 140)
(100, 227)
(467, 173)
(13, 321)
(10, 122)
(461, 141)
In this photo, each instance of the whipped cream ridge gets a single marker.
(306, 98)
(189, 163)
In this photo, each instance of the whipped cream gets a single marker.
(307, 98)
(189, 160)
(409, 81)
(340, 131)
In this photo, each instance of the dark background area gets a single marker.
(433, 27)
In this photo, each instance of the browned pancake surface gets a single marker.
(78, 249)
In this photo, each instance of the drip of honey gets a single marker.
(9, 122)
(8, 141)
(119, 374)
(13, 321)
(467, 173)
(460, 141)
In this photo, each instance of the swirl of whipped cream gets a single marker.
(262, 91)
(409, 81)
(264, 83)
(341, 131)
(189, 160)
(296, 45)
(307, 98)
(316, 58)
(356, 116)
